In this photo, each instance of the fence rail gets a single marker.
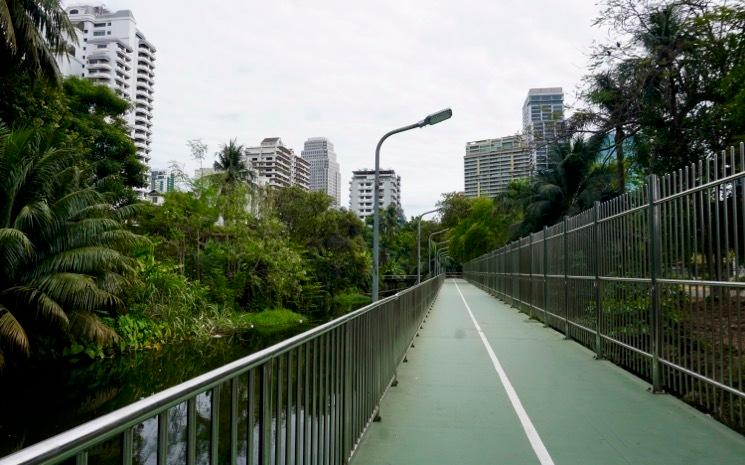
(306, 400)
(653, 280)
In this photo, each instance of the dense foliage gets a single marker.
(65, 256)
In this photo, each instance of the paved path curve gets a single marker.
(487, 385)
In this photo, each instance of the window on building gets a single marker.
(73, 12)
(99, 24)
(99, 33)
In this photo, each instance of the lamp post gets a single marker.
(435, 246)
(419, 245)
(429, 249)
(434, 118)
(440, 255)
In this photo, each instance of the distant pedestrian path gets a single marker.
(484, 384)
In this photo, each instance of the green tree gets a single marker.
(572, 185)
(32, 33)
(332, 240)
(230, 161)
(64, 255)
(95, 120)
(682, 62)
(455, 206)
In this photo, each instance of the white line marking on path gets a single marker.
(535, 440)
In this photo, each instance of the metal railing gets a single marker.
(306, 400)
(653, 280)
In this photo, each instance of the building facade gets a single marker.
(361, 191)
(490, 165)
(278, 164)
(543, 123)
(113, 52)
(162, 181)
(325, 175)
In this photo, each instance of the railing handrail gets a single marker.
(109, 425)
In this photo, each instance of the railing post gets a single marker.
(512, 274)
(655, 259)
(566, 278)
(545, 276)
(530, 276)
(265, 412)
(348, 441)
(597, 284)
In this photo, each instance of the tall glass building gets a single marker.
(324, 169)
(543, 123)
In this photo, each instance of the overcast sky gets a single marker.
(352, 70)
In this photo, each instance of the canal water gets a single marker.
(46, 399)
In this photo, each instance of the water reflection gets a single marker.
(43, 400)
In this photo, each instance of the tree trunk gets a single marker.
(620, 166)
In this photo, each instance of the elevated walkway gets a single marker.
(515, 392)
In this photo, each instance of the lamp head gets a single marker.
(438, 117)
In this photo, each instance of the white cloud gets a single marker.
(351, 71)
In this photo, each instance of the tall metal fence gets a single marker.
(653, 280)
(306, 400)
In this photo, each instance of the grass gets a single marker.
(266, 320)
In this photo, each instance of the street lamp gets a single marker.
(434, 118)
(429, 249)
(435, 246)
(419, 245)
(440, 255)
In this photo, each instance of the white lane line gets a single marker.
(535, 440)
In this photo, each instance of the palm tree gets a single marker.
(574, 182)
(32, 33)
(614, 101)
(64, 255)
(230, 161)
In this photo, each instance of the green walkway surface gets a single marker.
(451, 407)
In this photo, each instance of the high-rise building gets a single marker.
(162, 181)
(113, 52)
(279, 164)
(361, 191)
(324, 169)
(543, 123)
(490, 165)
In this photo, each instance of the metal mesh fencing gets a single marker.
(653, 280)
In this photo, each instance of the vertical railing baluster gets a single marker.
(565, 249)
(265, 412)
(81, 458)
(127, 446)
(347, 399)
(163, 437)
(545, 276)
(654, 261)
(596, 266)
(250, 414)
(214, 425)
(234, 420)
(191, 431)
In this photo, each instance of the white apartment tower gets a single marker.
(361, 191)
(490, 165)
(279, 164)
(324, 168)
(543, 123)
(112, 51)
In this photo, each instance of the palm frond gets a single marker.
(15, 248)
(46, 307)
(88, 260)
(76, 291)
(90, 327)
(12, 332)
